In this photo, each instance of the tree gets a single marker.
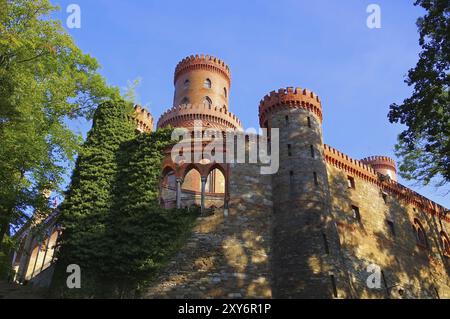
(44, 79)
(424, 146)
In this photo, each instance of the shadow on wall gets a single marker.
(224, 258)
(232, 257)
(383, 235)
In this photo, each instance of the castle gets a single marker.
(323, 226)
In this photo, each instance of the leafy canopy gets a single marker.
(44, 79)
(424, 146)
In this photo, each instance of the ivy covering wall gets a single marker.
(113, 225)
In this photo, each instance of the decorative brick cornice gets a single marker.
(380, 161)
(367, 173)
(289, 98)
(202, 62)
(185, 115)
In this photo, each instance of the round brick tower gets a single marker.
(383, 165)
(300, 196)
(202, 86)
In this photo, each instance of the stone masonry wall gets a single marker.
(408, 270)
(305, 240)
(226, 257)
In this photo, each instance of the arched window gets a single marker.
(187, 84)
(215, 182)
(191, 181)
(207, 84)
(169, 180)
(421, 236)
(207, 101)
(185, 101)
(225, 93)
(445, 242)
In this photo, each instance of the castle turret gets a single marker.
(202, 79)
(143, 119)
(383, 165)
(202, 85)
(300, 196)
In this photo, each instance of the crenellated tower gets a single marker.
(202, 86)
(143, 119)
(383, 165)
(303, 234)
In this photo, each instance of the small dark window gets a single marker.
(385, 197)
(207, 101)
(185, 101)
(289, 150)
(421, 236)
(309, 121)
(325, 243)
(391, 227)
(291, 183)
(311, 149)
(333, 286)
(383, 276)
(207, 84)
(187, 84)
(351, 182)
(316, 180)
(445, 242)
(436, 292)
(225, 93)
(356, 213)
(286, 118)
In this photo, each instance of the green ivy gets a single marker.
(114, 227)
(5, 258)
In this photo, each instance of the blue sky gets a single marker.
(323, 45)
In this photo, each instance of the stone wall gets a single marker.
(226, 256)
(408, 270)
(307, 241)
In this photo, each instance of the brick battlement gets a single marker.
(367, 173)
(380, 160)
(143, 119)
(184, 116)
(204, 62)
(292, 98)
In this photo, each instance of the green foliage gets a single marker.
(145, 235)
(85, 211)
(44, 79)
(425, 145)
(5, 260)
(114, 228)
